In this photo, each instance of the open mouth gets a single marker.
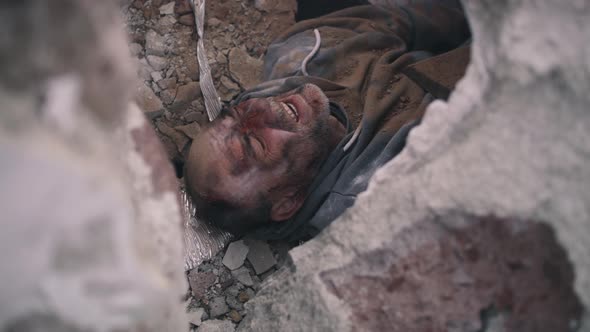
(291, 110)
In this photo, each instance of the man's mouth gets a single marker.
(291, 110)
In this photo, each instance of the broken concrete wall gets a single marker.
(482, 222)
(91, 237)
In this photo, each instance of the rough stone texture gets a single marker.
(91, 237)
(235, 255)
(199, 282)
(260, 256)
(217, 307)
(245, 69)
(479, 222)
(216, 326)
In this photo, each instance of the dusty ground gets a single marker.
(163, 40)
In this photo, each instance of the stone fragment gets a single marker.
(243, 276)
(260, 256)
(216, 325)
(191, 66)
(167, 83)
(191, 130)
(233, 303)
(156, 76)
(188, 19)
(196, 316)
(147, 100)
(243, 297)
(167, 9)
(200, 282)
(213, 22)
(157, 62)
(167, 96)
(234, 289)
(182, 7)
(228, 89)
(144, 70)
(217, 307)
(246, 70)
(135, 49)
(155, 44)
(235, 316)
(235, 255)
(179, 139)
(185, 94)
(276, 6)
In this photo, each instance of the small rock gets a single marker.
(213, 22)
(200, 282)
(182, 7)
(243, 297)
(137, 4)
(195, 317)
(191, 130)
(168, 96)
(216, 325)
(243, 276)
(235, 255)
(147, 100)
(144, 71)
(235, 316)
(221, 58)
(191, 66)
(167, 83)
(155, 87)
(155, 44)
(233, 290)
(167, 9)
(185, 94)
(135, 49)
(225, 280)
(217, 307)
(188, 19)
(234, 303)
(179, 139)
(246, 70)
(260, 256)
(158, 63)
(156, 76)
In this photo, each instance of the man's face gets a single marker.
(265, 148)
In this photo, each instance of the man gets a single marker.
(281, 162)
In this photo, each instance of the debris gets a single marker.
(235, 316)
(216, 325)
(155, 44)
(156, 76)
(235, 255)
(182, 7)
(260, 256)
(217, 307)
(157, 62)
(167, 9)
(191, 130)
(246, 70)
(187, 93)
(179, 139)
(199, 282)
(233, 303)
(195, 317)
(168, 96)
(167, 83)
(243, 297)
(243, 276)
(147, 100)
(188, 19)
(135, 49)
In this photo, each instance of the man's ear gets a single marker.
(286, 206)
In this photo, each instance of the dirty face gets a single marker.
(263, 152)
